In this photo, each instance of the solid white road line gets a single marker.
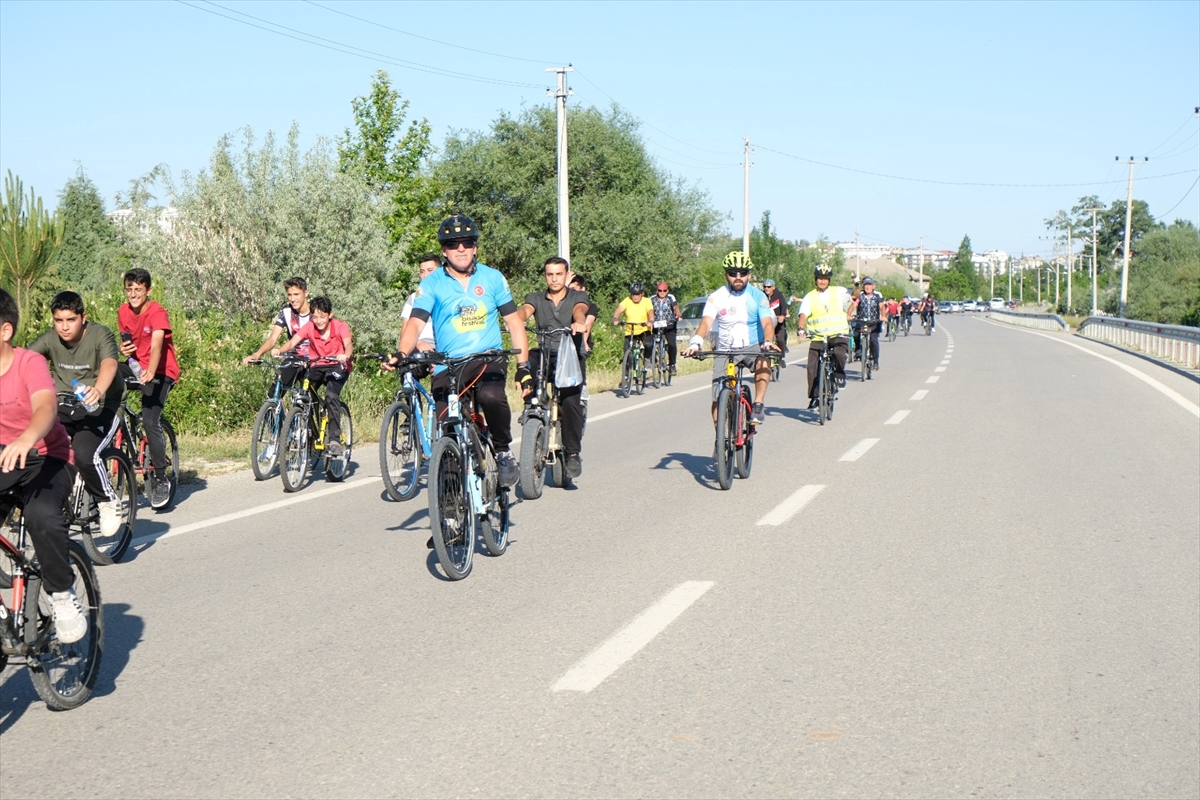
(788, 508)
(933, 379)
(625, 643)
(856, 452)
(627, 409)
(896, 418)
(919, 394)
(250, 512)
(1137, 373)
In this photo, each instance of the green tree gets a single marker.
(789, 264)
(962, 263)
(92, 256)
(30, 239)
(1164, 276)
(390, 158)
(951, 284)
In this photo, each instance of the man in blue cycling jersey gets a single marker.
(465, 300)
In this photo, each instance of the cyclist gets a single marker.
(34, 451)
(745, 323)
(328, 338)
(292, 317)
(638, 311)
(147, 340)
(426, 264)
(906, 312)
(871, 312)
(893, 313)
(560, 307)
(928, 309)
(823, 319)
(779, 307)
(80, 350)
(666, 309)
(464, 300)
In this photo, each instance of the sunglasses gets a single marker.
(737, 273)
(661, 291)
(460, 243)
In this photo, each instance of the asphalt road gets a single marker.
(996, 593)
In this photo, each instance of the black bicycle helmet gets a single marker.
(637, 288)
(457, 228)
(822, 271)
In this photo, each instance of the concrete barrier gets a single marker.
(1046, 322)
(1178, 344)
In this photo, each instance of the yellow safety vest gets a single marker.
(827, 317)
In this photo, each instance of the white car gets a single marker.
(956, 307)
(996, 304)
(970, 305)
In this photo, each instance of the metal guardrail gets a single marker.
(1177, 343)
(1047, 322)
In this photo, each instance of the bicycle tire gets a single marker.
(822, 388)
(107, 550)
(726, 420)
(450, 516)
(400, 451)
(264, 441)
(652, 377)
(63, 674)
(744, 455)
(533, 458)
(626, 387)
(338, 467)
(493, 526)
(293, 467)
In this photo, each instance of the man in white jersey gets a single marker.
(426, 264)
(745, 323)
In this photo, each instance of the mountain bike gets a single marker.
(893, 328)
(927, 323)
(541, 426)
(63, 674)
(407, 432)
(864, 344)
(906, 323)
(633, 366)
(268, 422)
(83, 514)
(826, 384)
(466, 499)
(303, 436)
(734, 450)
(660, 362)
(131, 438)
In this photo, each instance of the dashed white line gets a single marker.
(919, 394)
(896, 418)
(939, 369)
(788, 508)
(944, 363)
(933, 379)
(625, 643)
(856, 452)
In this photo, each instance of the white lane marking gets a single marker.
(250, 512)
(919, 394)
(939, 369)
(896, 418)
(625, 643)
(705, 388)
(788, 508)
(1137, 373)
(856, 452)
(947, 361)
(933, 379)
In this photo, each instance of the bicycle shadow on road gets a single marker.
(122, 633)
(798, 414)
(701, 467)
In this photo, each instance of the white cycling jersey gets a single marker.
(738, 316)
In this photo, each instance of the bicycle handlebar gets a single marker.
(703, 354)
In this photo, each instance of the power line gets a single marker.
(1191, 117)
(1181, 148)
(348, 49)
(1185, 197)
(427, 39)
(954, 183)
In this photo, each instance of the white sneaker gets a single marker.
(110, 518)
(69, 621)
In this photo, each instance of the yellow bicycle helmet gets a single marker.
(738, 260)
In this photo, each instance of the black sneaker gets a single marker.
(875, 365)
(672, 369)
(508, 469)
(573, 466)
(812, 404)
(159, 491)
(429, 544)
(335, 449)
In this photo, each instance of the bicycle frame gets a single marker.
(422, 405)
(734, 382)
(12, 620)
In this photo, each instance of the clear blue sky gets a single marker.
(1016, 93)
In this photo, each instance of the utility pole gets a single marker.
(746, 198)
(564, 214)
(921, 264)
(1095, 309)
(1128, 224)
(857, 263)
(1070, 262)
(1020, 280)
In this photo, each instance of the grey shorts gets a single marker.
(752, 354)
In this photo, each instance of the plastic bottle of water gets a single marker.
(80, 393)
(135, 367)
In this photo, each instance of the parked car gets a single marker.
(944, 307)
(690, 314)
(956, 306)
(970, 305)
(1012, 304)
(996, 303)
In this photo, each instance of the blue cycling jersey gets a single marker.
(465, 320)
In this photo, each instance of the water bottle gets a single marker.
(135, 368)
(80, 393)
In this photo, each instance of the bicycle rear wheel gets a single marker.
(726, 434)
(338, 467)
(450, 515)
(264, 442)
(64, 674)
(744, 455)
(400, 451)
(106, 550)
(626, 387)
(295, 451)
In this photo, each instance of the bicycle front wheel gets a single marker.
(726, 435)
(294, 466)
(626, 387)
(744, 455)
(338, 467)
(64, 674)
(118, 472)
(533, 458)
(450, 515)
(264, 442)
(655, 368)
(400, 451)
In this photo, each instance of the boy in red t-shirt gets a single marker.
(331, 345)
(146, 339)
(34, 452)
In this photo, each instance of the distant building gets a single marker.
(167, 217)
(933, 259)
